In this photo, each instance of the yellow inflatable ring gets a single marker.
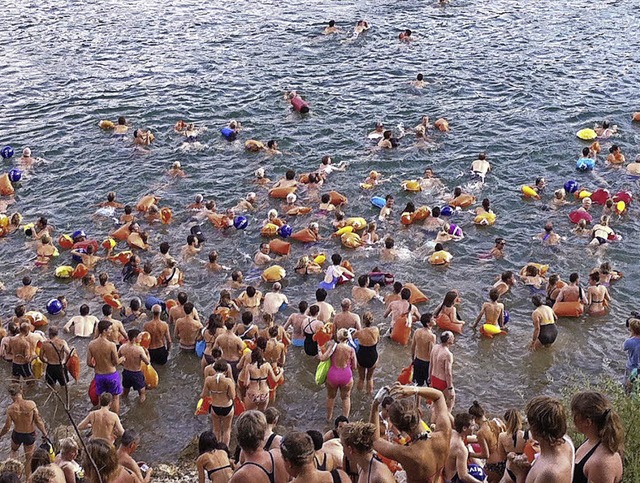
(411, 185)
(439, 258)
(320, 259)
(64, 271)
(274, 274)
(270, 229)
(485, 219)
(587, 134)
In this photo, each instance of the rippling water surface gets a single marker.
(515, 79)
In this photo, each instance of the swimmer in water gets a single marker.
(606, 130)
(559, 198)
(111, 201)
(493, 311)
(507, 280)
(480, 167)
(247, 204)
(606, 274)
(429, 180)
(387, 141)
(548, 237)
(540, 185)
(386, 210)
(581, 228)
(121, 128)
(360, 27)
(497, 251)
(327, 167)
(389, 253)
(325, 203)
(601, 232)
(598, 298)
(530, 275)
(442, 125)
(26, 161)
(419, 83)
(378, 132)
(634, 168)
(405, 36)
(374, 179)
(594, 150)
(142, 137)
(198, 203)
(331, 28)
(370, 237)
(260, 177)
(176, 170)
(262, 256)
(615, 155)
(544, 320)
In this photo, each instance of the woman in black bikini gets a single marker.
(357, 441)
(513, 439)
(212, 330)
(298, 454)
(219, 392)
(598, 458)
(367, 355)
(213, 459)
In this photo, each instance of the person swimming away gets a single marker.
(331, 28)
(606, 130)
(419, 83)
(480, 167)
(405, 36)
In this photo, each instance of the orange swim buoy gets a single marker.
(122, 233)
(112, 300)
(421, 213)
(280, 247)
(406, 375)
(417, 297)
(80, 271)
(324, 335)
(145, 339)
(6, 188)
(281, 193)
(401, 331)
(65, 242)
(568, 309)
(305, 236)
(463, 201)
(73, 365)
(445, 323)
(337, 199)
(134, 240)
(166, 215)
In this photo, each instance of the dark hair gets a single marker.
(164, 247)
(537, 300)
(595, 407)
(363, 280)
(461, 421)
(220, 365)
(297, 448)
(303, 306)
(332, 23)
(425, 319)
(290, 174)
(321, 295)
(251, 427)
(389, 242)
(132, 334)
(476, 410)
(397, 287)
(107, 310)
(316, 438)
(134, 304)
(336, 259)
(182, 298)
(207, 442)
(494, 294)
(547, 419)
(435, 212)
(188, 308)
(129, 436)
(247, 317)
(103, 326)
(574, 277)
(405, 294)
(420, 77)
(506, 275)
(325, 198)
(439, 247)
(39, 458)
(404, 415)
(585, 151)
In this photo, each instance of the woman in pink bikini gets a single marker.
(254, 376)
(340, 375)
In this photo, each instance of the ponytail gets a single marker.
(611, 432)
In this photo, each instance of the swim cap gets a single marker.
(313, 226)
(272, 214)
(251, 196)
(26, 152)
(586, 201)
(199, 198)
(176, 164)
(260, 173)
(291, 198)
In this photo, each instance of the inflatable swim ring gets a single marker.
(343, 230)
(422, 213)
(80, 271)
(166, 215)
(37, 319)
(65, 242)
(281, 193)
(600, 196)
(63, 271)
(73, 365)
(489, 330)
(412, 186)
(357, 223)
(324, 335)
(106, 124)
(305, 236)
(587, 134)
(122, 233)
(529, 192)
(625, 196)
(485, 219)
(439, 258)
(150, 376)
(378, 201)
(351, 240)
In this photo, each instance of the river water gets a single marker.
(514, 79)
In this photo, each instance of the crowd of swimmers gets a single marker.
(242, 345)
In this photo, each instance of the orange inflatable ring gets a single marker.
(145, 203)
(445, 323)
(280, 247)
(463, 201)
(304, 236)
(417, 297)
(281, 193)
(568, 309)
(337, 199)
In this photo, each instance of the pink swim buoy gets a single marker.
(577, 215)
(623, 196)
(299, 104)
(600, 196)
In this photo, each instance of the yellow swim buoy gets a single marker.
(63, 271)
(351, 240)
(485, 219)
(587, 134)
(150, 376)
(411, 185)
(106, 124)
(343, 230)
(320, 259)
(270, 229)
(366, 186)
(584, 194)
(529, 192)
(274, 274)
(357, 223)
(440, 258)
(620, 207)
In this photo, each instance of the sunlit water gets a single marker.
(515, 79)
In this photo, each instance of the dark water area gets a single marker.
(514, 79)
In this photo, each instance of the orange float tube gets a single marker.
(281, 193)
(401, 332)
(280, 247)
(445, 323)
(568, 309)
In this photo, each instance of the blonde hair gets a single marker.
(359, 436)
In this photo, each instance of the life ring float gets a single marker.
(417, 296)
(401, 331)
(441, 257)
(280, 247)
(463, 201)
(254, 146)
(122, 233)
(269, 230)
(65, 242)
(274, 273)
(37, 319)
(600, 196)
(529, 192)
(145, 203)
(337, 199)
(587, 134)
(568, 309)
(150, 376)
(490, 330)
(412, 185)
(351, 240)
(357, 223)
(304, 178)
(324, 335)
(620, 207)
(305, 236)
(106, 124)
(238, 406)
(445, 323)
(281, 193)
(485, 219)
(37, 368)
(577, 215)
